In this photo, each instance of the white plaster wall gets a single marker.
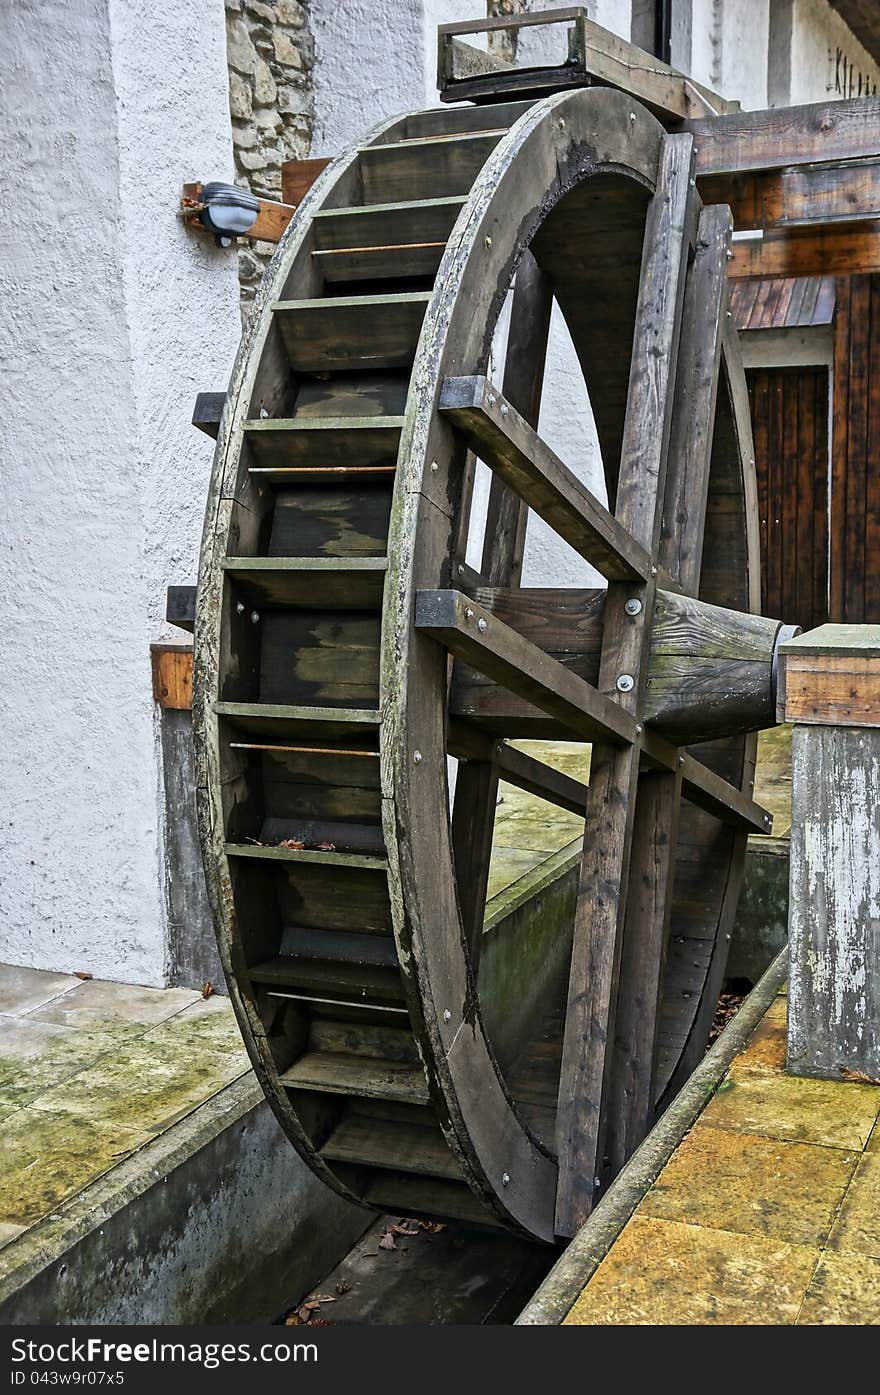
(817, 31)
(117, 317)
(728, 47)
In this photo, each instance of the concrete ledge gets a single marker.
(217, 1220)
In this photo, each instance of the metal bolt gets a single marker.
(730, 256)
(505, 410)
(417, 756)
(681, 760)
(632, 117)
(653, 571)
(638, 729)
(505, 1179)
(434, 466)
(240, 607)
(626, 683)
(492, 399)
(255, 616)
(461, 569)
(482, 626)
(730, 314)
(468, 614)
(488, 241)
(597, 1182)
(692, 183)
(633, 606)
(447, 1015)
(562, 123)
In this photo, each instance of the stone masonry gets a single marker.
(270, 53)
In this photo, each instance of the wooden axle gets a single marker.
(711, 671)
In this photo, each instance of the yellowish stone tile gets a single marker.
(858, 1225)
(104, 1006)
(845, 1292)
(755, 1186)
(8, 1233)
(22, 989)
(766, 1048)
(790, 1107)
(35, 1056)
(665, 1273)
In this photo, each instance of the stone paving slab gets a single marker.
(768, 1212)
(90, 1071)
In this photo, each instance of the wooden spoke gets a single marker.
(599, 921)
(476, 790)
(518, 456)
(518, 768)
(495, 649)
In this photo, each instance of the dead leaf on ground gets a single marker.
(404, 1229)
(387, 1241)
(208, 990)
(858, 1077)
(80, 973)
(432, 1227)
(343, 1287)
(292, 844)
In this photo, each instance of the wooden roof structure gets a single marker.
(783, 302)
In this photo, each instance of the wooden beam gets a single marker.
(298, 176)
(172, 666)
(473, 634)
(467, 742)
(789, 198)
(514, 451)
(271, 221)
(706, 789)
(841, 249)
(784, 136)
(208, 411)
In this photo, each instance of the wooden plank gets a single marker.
(517, 767)
(392, 1143)
(809, 194)
(476, 790)
(857, 448)
(298, 176)
(180, 607)
(780, 137)
(367, 1077)
(696, 392)
(836, 691)
(502, 654)
(336, 333)
(514, 451)
(840, 248)
(208, 411)
(839, 450)
(172, 666)
(584, 1111)
(435, 167)
(318, 583)
(316, 444)
(871, 612)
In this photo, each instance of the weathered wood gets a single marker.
(495, 649)
(208, 411)
(389, 1143)
(834, 974)
(298, 176)
(319, 583)
(180, 607)
(515, 452)
(844, 248)
(340, 332)
(783, 137)
(832, 677)
(338, 1074)
(806, 194)
(587, 1057)
(518, 768)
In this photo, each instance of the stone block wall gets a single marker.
(270, 52)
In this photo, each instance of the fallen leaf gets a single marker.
(432, 1227)
(403, 1230)
(293, 1320)
(208, 990)
(321, 1298)
(305, 1312)
(326, 847)
(343, 1287)
(78, 973)
(387, 1242)
(291, 843)
(858, 1077)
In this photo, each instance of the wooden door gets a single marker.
(790, 419)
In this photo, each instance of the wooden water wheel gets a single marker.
(345, 649)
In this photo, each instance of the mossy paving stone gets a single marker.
(668, 1274)
(103, 1005)
(23, 989)
(837, 1115)
(857, 1227)
(767, 1044)
(752, 1186)
(845, 1292)
(773, 777)
(72, 1133)
(35, 1056)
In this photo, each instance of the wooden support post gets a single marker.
(832, 694)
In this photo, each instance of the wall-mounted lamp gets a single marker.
(228, 211)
